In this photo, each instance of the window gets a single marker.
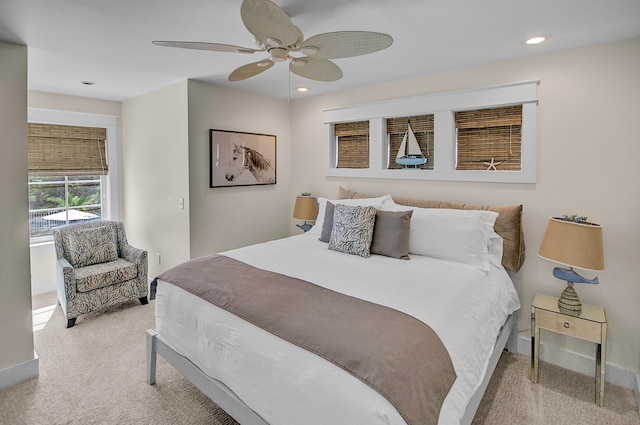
(489, 139)
(422, 127)
(352, 143)
(67, 165)
(55, 201)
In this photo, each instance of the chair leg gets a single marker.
(71, 322)
(143, 300)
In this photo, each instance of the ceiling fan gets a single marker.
(275, 34)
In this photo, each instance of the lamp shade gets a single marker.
(574, 244)
(306, 208)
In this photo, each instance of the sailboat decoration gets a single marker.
(409, 153)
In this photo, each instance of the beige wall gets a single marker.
(588, 148)
(230, 217)
(155, 175)
(16, 338)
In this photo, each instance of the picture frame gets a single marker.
(241, 159)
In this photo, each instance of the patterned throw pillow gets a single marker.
(352, 229)
(92, 246)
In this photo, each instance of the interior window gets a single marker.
(399, 140)
(352, 144)
(489, 139)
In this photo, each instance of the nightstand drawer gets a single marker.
(568, 325)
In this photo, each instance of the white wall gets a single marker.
(230, 217)
(17, 360)
(155, 172)
(587, 163)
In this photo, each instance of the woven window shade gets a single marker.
(489, 133)
(60, 150)
(422, 126)
(353, 144)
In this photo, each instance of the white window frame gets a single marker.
(443, 106)
(109, 183)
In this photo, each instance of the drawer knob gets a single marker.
(566, 325)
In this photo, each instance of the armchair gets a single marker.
(97, 268)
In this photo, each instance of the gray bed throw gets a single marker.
(399, 356)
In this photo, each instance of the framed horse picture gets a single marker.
(241, 159)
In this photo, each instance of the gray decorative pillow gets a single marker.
(327, 224)
(391, 234)
(92, 246)
(352, 229)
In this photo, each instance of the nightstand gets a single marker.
(591, 325)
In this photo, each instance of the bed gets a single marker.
(464, 293)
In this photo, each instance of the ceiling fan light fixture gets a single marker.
(279, 54)
(263, 63)
(309, 50)
(274, 42)
(298, 62)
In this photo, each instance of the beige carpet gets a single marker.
(94, 373)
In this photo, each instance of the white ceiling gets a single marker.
(109, 41)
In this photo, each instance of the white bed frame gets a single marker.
(230, 403)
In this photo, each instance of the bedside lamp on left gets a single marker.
(306, 209)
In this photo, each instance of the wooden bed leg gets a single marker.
(151, 356)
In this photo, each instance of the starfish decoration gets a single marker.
(492, 165)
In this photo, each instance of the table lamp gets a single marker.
(306, 209)
(574, 242)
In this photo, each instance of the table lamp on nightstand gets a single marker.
(306, 209)
(574, 242)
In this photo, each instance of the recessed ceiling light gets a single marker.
(302, 89)
(87, 83)
(537, 40)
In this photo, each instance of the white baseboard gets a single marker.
(580, 363)
(19, 373)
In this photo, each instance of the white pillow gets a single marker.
(496, 249)
(362, 202)
(451, 234)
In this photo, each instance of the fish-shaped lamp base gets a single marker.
(569, 302)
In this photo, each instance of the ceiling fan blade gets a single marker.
(344, 44)
(269, 24)
(315, 69)
(250, 70)
(199, 45)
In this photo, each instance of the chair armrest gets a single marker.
(138, 257)
(66, 278)
(132, 254)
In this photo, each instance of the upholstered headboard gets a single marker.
(508, 224)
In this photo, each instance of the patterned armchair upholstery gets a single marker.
(96, 268)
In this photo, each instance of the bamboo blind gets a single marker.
(60, 150)
(489, 133)
(353, 144)
(422, 126)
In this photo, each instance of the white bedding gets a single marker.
(287, 385)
